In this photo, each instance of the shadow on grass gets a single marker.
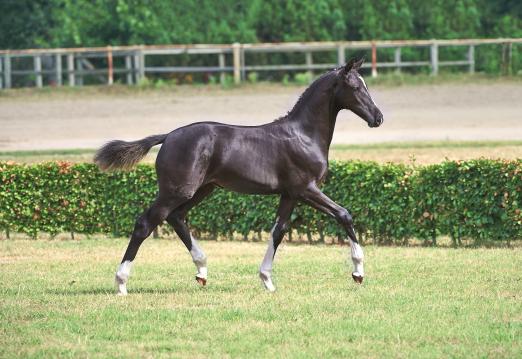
(111, 291)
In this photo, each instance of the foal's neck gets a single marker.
(315, 113)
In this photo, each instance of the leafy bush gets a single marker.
(303, 78)
(253, 77)
(82, 23)
(478, 199)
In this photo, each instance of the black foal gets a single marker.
(287, 157)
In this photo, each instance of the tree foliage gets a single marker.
(61, 23)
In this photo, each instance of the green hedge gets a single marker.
(478, 199)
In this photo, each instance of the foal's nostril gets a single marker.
(380, 120)
(377, 120)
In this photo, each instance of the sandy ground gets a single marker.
(86, 119)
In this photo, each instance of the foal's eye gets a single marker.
(352, 83)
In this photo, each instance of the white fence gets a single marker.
(133, 63)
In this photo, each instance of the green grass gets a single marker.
(57, 300)
(36, 153)
(70, 155)
(426, 152)
(424, 144)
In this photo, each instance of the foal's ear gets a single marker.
(349, 65)
(353, 64)
(358, 64)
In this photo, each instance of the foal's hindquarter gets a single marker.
(288, 157)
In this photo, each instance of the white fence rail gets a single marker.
(133, 63)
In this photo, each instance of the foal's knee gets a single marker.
(344, 217)
(278, 233)
(280, 229)
(176, 218)
(141, 227)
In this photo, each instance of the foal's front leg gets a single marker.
(317, 199)
(286, 206)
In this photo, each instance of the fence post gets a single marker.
(398, 60)
(128, 69)
(309, 63)
(110, 73)
(507, 53)
(38, 70)
(1, 73)
(58, 69)
(471, 59)
(503, 59)
(141, 65)
(374, 60)
(221, 61)
(237, 62)
(434, 54)
(7, 71)
(509, 58)
(70, 70)
(136, 72)
(341, 58)
(243, 66)
(79, 70)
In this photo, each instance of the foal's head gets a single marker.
(352, 94)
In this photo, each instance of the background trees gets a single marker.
(79, 23)
(61, 23)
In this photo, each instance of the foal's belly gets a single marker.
(246, 186)
(247, 178)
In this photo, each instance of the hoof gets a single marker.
(267, 282)
(121, 289)
(201, 281)
(357, 278)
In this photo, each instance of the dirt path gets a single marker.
(86, 119)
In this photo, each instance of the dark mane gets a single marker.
(320, 81)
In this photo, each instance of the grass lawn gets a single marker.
(403, 152)
(56, 299)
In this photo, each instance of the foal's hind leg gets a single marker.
(177, 220)
(144, 226)
(286, 206)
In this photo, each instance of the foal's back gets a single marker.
(246, 159)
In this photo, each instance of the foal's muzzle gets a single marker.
(378, 120)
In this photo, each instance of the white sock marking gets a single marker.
(122, 276)
(357, 259)
(265, 272)
(199, 258)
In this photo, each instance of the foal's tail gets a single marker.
(125, 155)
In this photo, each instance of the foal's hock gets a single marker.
(287, 157)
